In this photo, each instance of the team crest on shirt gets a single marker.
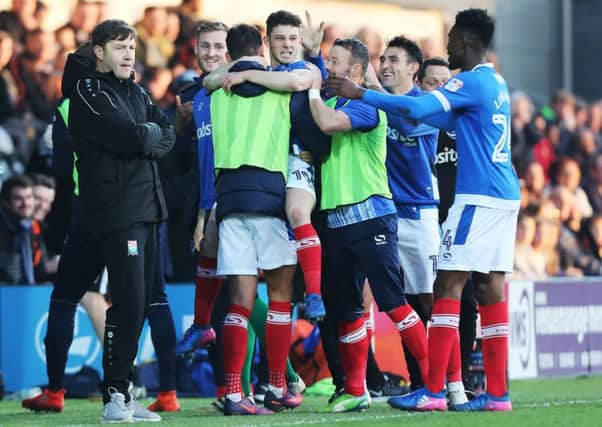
(132, 248)
(454, 85)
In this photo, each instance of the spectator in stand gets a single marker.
(594, 184)
(172, 30)
(574, 261)
(524, 133)
(8, 88)
(157, 80)
(153, 48)
(19, 20)
(563, 104)
(65, 37)
(584, 147)
(44, 191)
(580, 112)
(85, 17)
(595, 236)
(375, 43)
(547, 233)
(568, 175)
(22, 251)
(41, 14)
(544, 151)
(189, 12)
(594, 120)
(528, 263)
(332, 32)
(534, 183)
(44, 188)
(32, 71)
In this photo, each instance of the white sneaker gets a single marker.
(456, 394)
(297, 387)
(116, 411)
(140, 413)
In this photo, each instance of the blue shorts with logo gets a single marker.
(365, 249)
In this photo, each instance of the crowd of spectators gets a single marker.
(556, 148)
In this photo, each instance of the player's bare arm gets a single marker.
(329, 121)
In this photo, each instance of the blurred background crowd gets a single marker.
(556, 142)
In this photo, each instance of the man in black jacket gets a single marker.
(118, 135)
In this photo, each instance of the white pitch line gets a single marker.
(356, 417)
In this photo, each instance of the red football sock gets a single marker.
(454, 366)
(369, 326)
(494, 326)
(413, 335)
(206, 290)
(221, 391)
(309, 254)
(443, 332)
(235, 341)
(278, 341)
(353, 350)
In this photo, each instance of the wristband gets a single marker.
(313, 93)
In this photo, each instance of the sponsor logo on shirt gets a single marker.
(448, 155)
(454, 85)
(203, 130)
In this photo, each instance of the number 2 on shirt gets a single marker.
(499, 155)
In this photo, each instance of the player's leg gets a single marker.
(207, 288)
(257, 320)
(418, 244)
(79, 265)
(491, 244)
(163, 333)
(278, 260)
(379, 259)
(126, 253)
(300, 202)
(237, 259)
(345, 304)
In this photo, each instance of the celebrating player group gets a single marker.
(323, 163)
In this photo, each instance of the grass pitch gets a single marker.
(558, 402)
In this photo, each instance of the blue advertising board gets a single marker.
(23, 322)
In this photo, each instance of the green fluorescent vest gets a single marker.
(251, 131)
(64, 112)
(355, 169)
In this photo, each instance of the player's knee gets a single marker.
(298, 215)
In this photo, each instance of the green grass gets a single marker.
(563, 402)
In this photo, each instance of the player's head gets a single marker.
(211, 45)
(433, 74)
(283, 37)
(243, 40)
(114, 44)
(471, 34)
(348, 58)
(400, 63)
